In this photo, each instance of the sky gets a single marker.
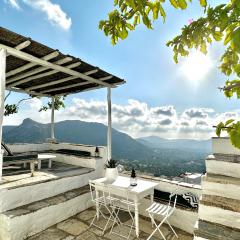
(159, 98)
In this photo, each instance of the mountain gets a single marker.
(186, 144)
(150, 155)
(75, 131)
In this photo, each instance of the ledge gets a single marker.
(215, 231)
(35, 206)
(221, 202)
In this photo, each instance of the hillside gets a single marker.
(151, 155)
(75, 131)
(187, 144)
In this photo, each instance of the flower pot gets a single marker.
(111, 173)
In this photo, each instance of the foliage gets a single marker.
(13, 108)
(10, 109)
(221, 23)
(111, 163)
(130, 13)
(58, 103)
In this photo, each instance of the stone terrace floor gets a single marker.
(77, 228)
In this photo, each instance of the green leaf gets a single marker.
(217, 36)
(203, 3)
(235, 135)
(229, 121)
(155, 10)
(219, 128)
(203, 48)
(162, 12)
(174, 3)
(182, 4)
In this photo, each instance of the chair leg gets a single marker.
(172, 228)
(117, 219)
(96, 216)
(157, 227)
(111, 217)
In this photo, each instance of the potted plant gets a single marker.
(111, 169)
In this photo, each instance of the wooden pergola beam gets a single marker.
(23, 45)
(30, 65)
(72, 85)
(59, 81)
(31, 58)
(27, 92)
(73, 65)
(85, 90)
(27, 76)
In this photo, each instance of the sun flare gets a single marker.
(196, 66)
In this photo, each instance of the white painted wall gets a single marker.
(22, 195)
(223, 168)
(23, 226)
(28, 147)
(220, 216)
(223, 189)
(224, 146)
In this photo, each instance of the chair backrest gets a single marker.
(173, 198)
(122, 194)
(100, 187)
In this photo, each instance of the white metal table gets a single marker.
(48, 157)
(137, 193)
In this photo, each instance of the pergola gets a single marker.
(27, 66)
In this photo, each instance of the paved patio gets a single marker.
(77, 228)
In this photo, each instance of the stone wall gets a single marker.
(219, 210)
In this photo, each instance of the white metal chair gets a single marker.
(101, 198)
(165, 211)
(122, 204)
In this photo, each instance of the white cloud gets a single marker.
(34, 103)
(13, 3)
(135, 118)
(54, 12)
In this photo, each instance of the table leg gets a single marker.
(39, 164)
(152, 199)
(32, 167)
(136, 218)
(97, 204)
(49, 163)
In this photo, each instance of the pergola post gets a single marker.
(109, 131)
(3, 55)
(52, 121)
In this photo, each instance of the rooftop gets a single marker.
(77, 227)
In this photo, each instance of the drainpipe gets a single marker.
(3, 55)
(109, 131)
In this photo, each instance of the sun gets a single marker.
(196, 66)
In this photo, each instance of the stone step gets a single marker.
(41, 186)
(213, 231)
(223, 211)
(27, 220)
(219, 185)
(223, 164)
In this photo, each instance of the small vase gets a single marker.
(111, 173)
